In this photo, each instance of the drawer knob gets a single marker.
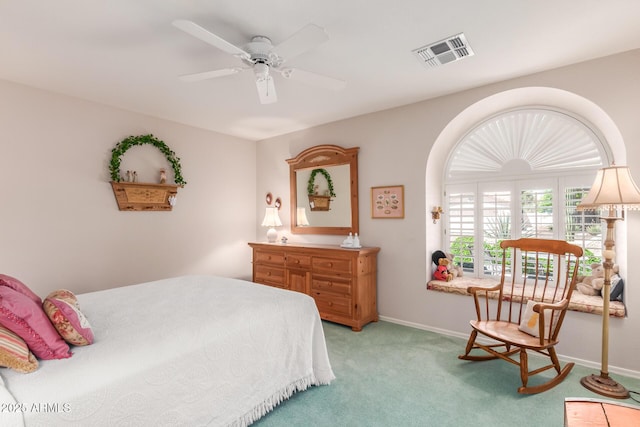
(269, 273)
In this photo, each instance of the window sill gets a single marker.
(579, 302)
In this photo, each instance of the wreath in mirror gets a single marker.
(118, 151)
(312, 179)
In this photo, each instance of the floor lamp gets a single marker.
(612, 190)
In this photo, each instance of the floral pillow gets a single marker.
(24, 317)
(62, 309)
(14, 352)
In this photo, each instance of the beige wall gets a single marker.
(60, 227)
(395, 148)
(59, 222)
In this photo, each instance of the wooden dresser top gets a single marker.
(301, 246)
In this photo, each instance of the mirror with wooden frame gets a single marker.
(324, 190)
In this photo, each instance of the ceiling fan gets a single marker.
(261, 56)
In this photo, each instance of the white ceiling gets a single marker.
(126, 53)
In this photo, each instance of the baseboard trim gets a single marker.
(586, 363)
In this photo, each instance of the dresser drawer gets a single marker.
(269, 275)
(274, 258)
(298, 261)
(331, 264)
(341, 287)
(331, 304)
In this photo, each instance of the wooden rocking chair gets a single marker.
(538, 278)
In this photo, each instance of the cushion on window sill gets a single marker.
(579, 302)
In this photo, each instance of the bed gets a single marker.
(194, 350)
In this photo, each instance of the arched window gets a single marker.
(522, 173)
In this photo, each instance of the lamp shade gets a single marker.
(613, 187)
(301, 217)
(271, 218)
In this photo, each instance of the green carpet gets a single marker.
(393, 375)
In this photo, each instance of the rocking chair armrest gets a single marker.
(482, 292)
(539, 308)
(560, 305)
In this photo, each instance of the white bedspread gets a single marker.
(187, 351)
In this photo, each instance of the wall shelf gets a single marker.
(139, 196)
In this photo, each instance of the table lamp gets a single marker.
(271, 220)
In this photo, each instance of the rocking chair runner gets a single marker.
(538, 278)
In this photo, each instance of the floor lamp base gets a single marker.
(605, 386)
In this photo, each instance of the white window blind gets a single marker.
(462, 229)
(481, 215)
(521, 173)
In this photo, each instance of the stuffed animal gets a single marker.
(441, 273)
(454, 269)
(436, 256)
(444, 262)
(442, 266)
(592, 285)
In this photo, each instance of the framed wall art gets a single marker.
(387, 202)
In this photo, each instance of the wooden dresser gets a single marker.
(342, 281)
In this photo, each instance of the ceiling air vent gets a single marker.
(451, 49)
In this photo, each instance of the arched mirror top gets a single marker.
(324, 190)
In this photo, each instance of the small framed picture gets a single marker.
(387, 202)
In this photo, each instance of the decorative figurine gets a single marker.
(135, 176)
(129, 177)
(348, 242)
(163, 176)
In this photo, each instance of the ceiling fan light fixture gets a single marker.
(261, 70)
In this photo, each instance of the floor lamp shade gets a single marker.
(271, 220)
(612, 189)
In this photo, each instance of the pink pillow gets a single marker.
(17, 285)
(62, 308)
(28, 320)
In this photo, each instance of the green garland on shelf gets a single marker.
(312, 179)
(118, 151)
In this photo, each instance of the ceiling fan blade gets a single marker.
(266, 90)
(305, 39)
(208, 37)
(210, 74)
(313, 78)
